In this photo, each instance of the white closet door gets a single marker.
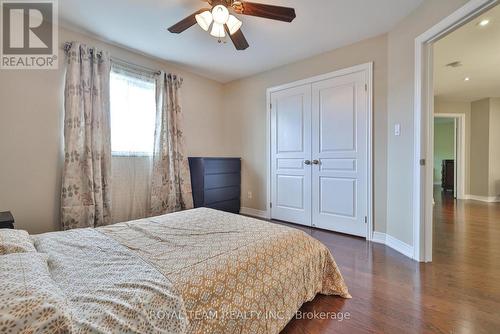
(339, 153)
(290, 155)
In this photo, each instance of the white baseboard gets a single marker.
(254, 213)
(396, 244)
(399, 246)
(487, 199)
(379, 237)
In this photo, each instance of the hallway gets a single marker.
(466, 256)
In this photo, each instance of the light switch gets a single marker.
(397, 129)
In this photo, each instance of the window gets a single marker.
(133, 113)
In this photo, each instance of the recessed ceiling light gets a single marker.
(467, 79)
(484, 22)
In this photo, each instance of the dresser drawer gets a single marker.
(221, 166)
(6, 220)
(228, 206)
(7, 225)
(222, 180)
(216, 183)
(221, 194)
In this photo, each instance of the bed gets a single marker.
(196, 271)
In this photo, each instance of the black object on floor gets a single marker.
(6, 220)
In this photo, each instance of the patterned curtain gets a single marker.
(171, 180)
(85, 196)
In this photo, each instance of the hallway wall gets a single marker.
(485, 157)
(479, 164)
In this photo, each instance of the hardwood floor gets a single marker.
(459, 292)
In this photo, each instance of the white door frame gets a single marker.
(459, 147)
(423, 126)
(368, 68)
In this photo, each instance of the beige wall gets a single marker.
(401, 61)
(479, 176)
(245, 116)
(494, 175)
(31, 132)
(485, 136)
(454, 107)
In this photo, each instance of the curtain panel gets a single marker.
(171, 180)
(85, 194)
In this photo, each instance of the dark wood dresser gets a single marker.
(216, 183)
(448, 175)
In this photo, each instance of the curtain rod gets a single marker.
(137, 66)
(67, 46)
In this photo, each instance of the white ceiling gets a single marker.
(320, 26)
(478, 48)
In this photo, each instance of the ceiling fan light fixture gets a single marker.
(204, 20)
(218, 22)
(220, 14)
(218, 30)
(233, 24)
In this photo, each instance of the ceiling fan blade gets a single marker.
(239, 40)
(188, 22)
(266, 11)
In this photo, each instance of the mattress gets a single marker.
(196, 271)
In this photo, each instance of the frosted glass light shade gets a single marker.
(218, 30)
(220, 14)
(233, 24)
(204, 20)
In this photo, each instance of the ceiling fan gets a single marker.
(221, 22)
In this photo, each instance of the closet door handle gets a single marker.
(316, 162)
(307, 162)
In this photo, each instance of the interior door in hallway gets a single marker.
(339, 153)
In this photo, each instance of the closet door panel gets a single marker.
(339, 150)
(290, 153)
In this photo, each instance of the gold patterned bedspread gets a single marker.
(106, 287)
(235, 274)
